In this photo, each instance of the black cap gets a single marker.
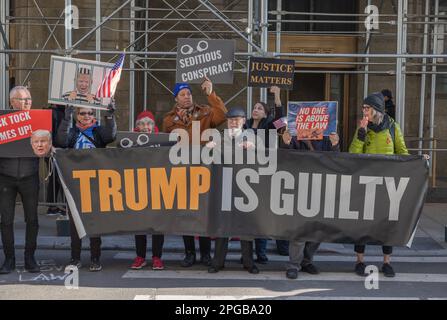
(236, 112)
(376, 101)
(387, 93)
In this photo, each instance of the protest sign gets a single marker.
(200, 58)
(267, 72)
(16, 127)
(76, 81)
(314, 196)
(312, 120)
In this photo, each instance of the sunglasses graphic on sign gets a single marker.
(187, 49)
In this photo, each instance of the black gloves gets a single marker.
(111, 107)
(68, 114)
(361, 134)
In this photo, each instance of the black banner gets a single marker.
(315, 196)
(267, 72)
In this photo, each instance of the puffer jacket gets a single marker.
(379, 140)
(210, 116)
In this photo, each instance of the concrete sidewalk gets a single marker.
(429, 239)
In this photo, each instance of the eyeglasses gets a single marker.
(24, 99)
(85, 113)
(366, 107)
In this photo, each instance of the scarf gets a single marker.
(385, 124)
(184, 114)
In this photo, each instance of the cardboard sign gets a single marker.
(267, 72)
(312, 120)
(16, 128)
(200, 58)
(76, 81)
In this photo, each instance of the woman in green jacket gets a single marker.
(377, 134)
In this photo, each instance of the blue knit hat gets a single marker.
(179, 87)
(376, 101)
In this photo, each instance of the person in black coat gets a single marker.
(390, 108)
(262, 118)
(19, 176)
(85, 134)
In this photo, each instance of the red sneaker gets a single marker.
(138, 263)
(157, 264)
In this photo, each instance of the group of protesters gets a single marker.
(77, 128)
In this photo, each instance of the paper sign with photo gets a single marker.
(76, 81)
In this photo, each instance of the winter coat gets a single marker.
(379, 139)
(209, 116)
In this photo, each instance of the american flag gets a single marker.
(108, 85)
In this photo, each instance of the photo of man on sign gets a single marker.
(83, 87)
(312, 120)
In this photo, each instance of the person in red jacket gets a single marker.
(146, 123)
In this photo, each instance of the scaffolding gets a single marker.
(251, 25)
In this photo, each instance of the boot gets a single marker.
(189, 260)
(8, 266)
(31, 264)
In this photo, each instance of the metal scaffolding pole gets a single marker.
(264, 41)
(98, 42)
(250, 50)
(423, 78)
(366, 76)
(399, 65)
(4, 74)
(146, 39)
(433, 85)
(131, 65)
(67, 30)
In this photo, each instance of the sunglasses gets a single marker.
(85, 113)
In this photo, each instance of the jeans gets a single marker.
(28, 188)
(261, 247)
(157, 245)
(204, 243)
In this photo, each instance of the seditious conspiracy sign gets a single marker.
(314, 196)
(200, 58)
(267, 72)
(16, 128)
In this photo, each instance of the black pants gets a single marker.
(204, 243)
(157, 245)
(54, 186)
(358, 248)
(221, 249)
(76, 244)
(28, 188)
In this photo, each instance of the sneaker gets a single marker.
(52, 211)
(75, 263)
(262, 259)
(95, 265)
(292, 273)
(157, 264)
(387, 270)
(360, 269)
(138, 263)
(310, 268)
